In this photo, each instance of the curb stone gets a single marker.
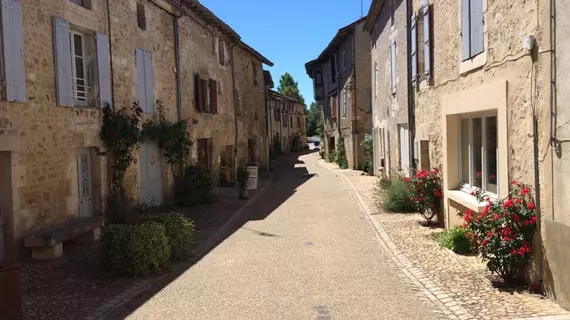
(122, 298)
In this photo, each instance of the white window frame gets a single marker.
(468, 186)
(89, 78)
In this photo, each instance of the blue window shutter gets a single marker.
(427, 40)
(149, 82)
(476, 32)
(141, 87)
(465, 31)
(393, 65)
(13, 51)
(103, 66)
(414, 45)
(62, 57)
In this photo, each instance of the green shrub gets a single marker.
(456, 240)
(242, 175)
(323, 154)
(196, 186)
(397, 197)
(340, 158)
(138, 249)
(179, 232)
(331, 156)
(367, 167)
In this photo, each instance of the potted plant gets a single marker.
(242, 179)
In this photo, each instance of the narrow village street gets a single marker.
(304, 250)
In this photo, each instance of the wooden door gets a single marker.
(202, 149)
(151, 173)
(84, 183)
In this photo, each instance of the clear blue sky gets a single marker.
(289, 33)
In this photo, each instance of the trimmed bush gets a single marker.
(397, 197)
(322, 154)
(455, 240)
(367, 167)
(135, 250)
(331, 156)
(179, 232)
(196, 186)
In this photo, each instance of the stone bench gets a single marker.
(47, 243)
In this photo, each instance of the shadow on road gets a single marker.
(288, 176)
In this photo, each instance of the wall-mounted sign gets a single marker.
(152, 160)
(253, 177)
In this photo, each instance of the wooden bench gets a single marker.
(47, 243)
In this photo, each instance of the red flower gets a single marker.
(526, 222)
(514, 182)
(484, 242)
(506, 231)
(436, 170)
(530, 206)
(514, 252)
(533, 220)
(437, 193)
(496, 216)
(518, 201)
(481, 216)
(472, 193)
(525, 191)
(464, 225)
(515, 218)
(492, 177)
(467, 235)
(489, 234)
(508, 204)
(478, 173)
(506, 238)
(407, 179)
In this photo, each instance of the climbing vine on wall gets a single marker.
(173, 139)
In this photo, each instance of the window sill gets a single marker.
(474, 63)
(466, 200)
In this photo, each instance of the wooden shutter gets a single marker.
(104, 69)
(141, 86)
(214, 95)
(13, 51)
(393, 64)
(62, 59)
(476, 23)
(204, 94)
(427, 40)
(210, 152)
(465, 31)
(199, 93)
(149, 82)
(414, 47)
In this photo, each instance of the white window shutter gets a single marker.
(62, 54)
(427, 40)
(104, 69)
(141, 86)
(476, 23)
(414, 47)
(149, 82)
(393, 65)
(13, 51)
(465, 30)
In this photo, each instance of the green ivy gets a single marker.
(172, 137)
(341, 154)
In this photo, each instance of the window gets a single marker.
(206, 95)
(83, 68)
(471, 28)
(141, 19)
(344, 102)
(343, 60)
(284, 119)
(254, 68)
(84, 3)
(393, 65)
(291, 121)
(319, 78)
(333, 68)
(222, 51)
(333, 103)
(298, 121)
(478, 156)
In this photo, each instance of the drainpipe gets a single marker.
(235, 110)
(110, 54)
(267, 129)
(411, 117)
(355, 147)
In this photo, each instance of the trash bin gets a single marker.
(10, 292)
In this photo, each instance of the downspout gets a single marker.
(411, 117)
(177, 65)
(110, 54)
(235, 110)
(355, 132)
(267, 129)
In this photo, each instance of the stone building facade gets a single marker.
(387, 25)
(79, 55)
(486, 110)
(342, 84)
(287, 119)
